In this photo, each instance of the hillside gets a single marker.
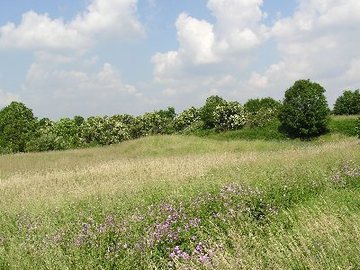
(183, 201)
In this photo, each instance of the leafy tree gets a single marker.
(158, 122)
(66, 133)
(348, 103)
(253, 106)
(104, 130)
(305, 111)
(186, 119)
(263, 117)
(79, 120)
(207, 111)
(17, 127)
(229, 116)
(44, 138)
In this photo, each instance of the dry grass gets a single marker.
(159, 169)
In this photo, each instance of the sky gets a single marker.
(105, 57)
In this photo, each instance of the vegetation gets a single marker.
(348, 103)
(253, 106)
(207, 111)
(17, 126)
(183, 203)
(305, 112)
(357, 127)
(247, 198)
(343, 124)
(229, 116)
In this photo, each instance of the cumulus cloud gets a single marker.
(238, 29)
(53, 82)
(319, 41)
(6, 98)
(109, 18)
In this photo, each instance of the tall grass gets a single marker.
(183, 202)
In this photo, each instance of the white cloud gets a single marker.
(109, 18)
(319, 41)
(196, 38)
(72, 91)
(237, 31)
(6, 98)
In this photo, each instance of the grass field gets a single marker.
(184, 202)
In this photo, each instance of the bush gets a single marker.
(61, 135)
(253, 106)
(348, 103)
(44, 139)
(357, 128)
(262, 117)
(158, 122)
(186, 119)
(229, 116)
(17, 127)
(343, 125)
(105, 130)
(305, 112)
(207, 111)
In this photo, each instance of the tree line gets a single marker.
(304, 113)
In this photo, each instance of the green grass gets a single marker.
(252, 204)
(343, 124)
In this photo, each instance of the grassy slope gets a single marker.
(100, 207)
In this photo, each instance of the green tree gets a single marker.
(348, 103)
(207, 111)
(17, 127)
(253, 106)
(305, 111)
(229, 116)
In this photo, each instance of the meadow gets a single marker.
(215, 201)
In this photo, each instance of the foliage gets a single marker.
(17, 127)
(229, 116)
(207, 111)
(158, 122)
(253, 106)
(186, 119)
(343, 125)
(348, 103)
(61, 135)
(105, 130)
(44, 139)
(305, 112)
(357, 128)
(262, 117)
(152, 204)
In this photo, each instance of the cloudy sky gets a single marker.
(102, 57)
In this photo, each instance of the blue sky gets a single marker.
(103, 57)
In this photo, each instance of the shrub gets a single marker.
(262, 117)
(305, 112)
(44, 139)
(158, 122)
(253, 106)
(229, 116)
(66, 132)
(17, 127)
(357, 128)
(105, 130)
(187, 119)
(348, 103)
(207, 111)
